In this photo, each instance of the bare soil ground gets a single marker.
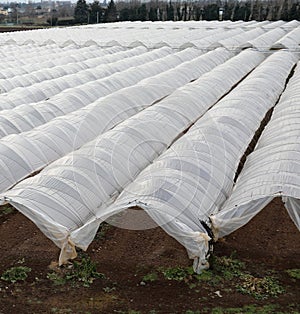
(268, 244)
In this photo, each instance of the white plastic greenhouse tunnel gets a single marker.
(160, 118)
(271, 170)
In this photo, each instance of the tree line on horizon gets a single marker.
(258, 10)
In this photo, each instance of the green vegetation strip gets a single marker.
(82, 271)
(223, 270)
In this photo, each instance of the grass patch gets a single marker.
(228, 274)
(6, 210)
(109, 289)
(182, 274)
(227, 267)
(17, 273)
(260, 288)
(127, 312)
(57, 278)
(246, 309)
(178, 273)
(82, 271)
(150, 277)
(293, 273)
(222, 269)
(102, 230)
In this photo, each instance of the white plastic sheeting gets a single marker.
(290, 41)
(290, 25)
(69, 199)
(130, 34)
(25, 117)
(80, 68)
(24, 60)
(51, 87)
(73, 191)
(195, 176)
(28, 152)
(125, 34)
(237, 41)
(272, 25)
(212, 41)
(107, 74)
(271, 170)
(266, 40)
(147, 34)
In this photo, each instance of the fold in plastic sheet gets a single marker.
(28, 152)
(271, 170)
(193, 178)
(75, 190)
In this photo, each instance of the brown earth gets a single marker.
(268, 244)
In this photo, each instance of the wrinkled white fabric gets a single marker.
(28, 152)
(192, 179)
(89, 179)
(271, 170)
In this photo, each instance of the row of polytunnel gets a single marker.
(90, 129)
(202, 35)
(272, 169)
(83, 124)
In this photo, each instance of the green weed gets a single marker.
(102, 230)
(150, 277)
(83, 271)
(227, 267)
(134, 312)
(247, 309)
(17, 273)
(222, 268)
(6, 209)
(109, 289)
(178, 273)
(294, 273)
(260, 288)
(57, 278)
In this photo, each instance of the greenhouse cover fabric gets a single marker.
(271, 170)
(107, 77)
(30, 151)
(194, 177)
(64, 197)
(201, 34)
(16, 74)
(79, 226)
(290, 41)
(25, 117)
